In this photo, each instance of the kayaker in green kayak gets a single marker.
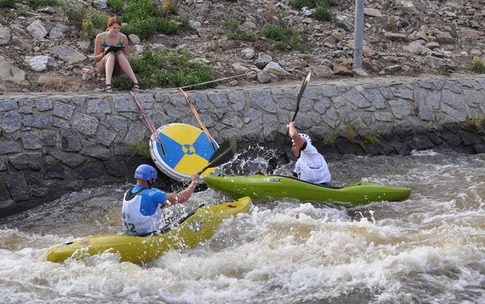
(141, 212)
(311, 165)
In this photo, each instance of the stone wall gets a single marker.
(51, 144)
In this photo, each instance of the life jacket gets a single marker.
(135, 222)
(312, 167)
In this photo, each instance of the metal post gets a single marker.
(358, 34)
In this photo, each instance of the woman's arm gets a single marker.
(126, 46)
(98, 50)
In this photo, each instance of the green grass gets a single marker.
(368, 137)
(166, 68)
(321, 7)
(242, 36)
(116, 6)
(285, 38)
(75, 15)
(36, 4)
(147, 27)
(7, 3)
(299, 4)
(330, 139)
(476, 123)
(351, 131)
(236, 34)
(322, 13)
(141, 149)
(92, 25)
(478, 66)
(145, 18)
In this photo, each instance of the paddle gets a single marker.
(300, 94)
(222, 155)
(273, 162)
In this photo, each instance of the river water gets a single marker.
(427, 249)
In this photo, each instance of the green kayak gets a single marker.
(275, 186)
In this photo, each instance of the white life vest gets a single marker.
(135, 222)
(312, 167)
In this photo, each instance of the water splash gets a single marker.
(427, 249)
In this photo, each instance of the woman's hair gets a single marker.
(112, 21)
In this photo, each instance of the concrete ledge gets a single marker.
(51, 144)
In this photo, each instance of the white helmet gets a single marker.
(306, 137)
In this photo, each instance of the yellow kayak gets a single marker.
(197, 228)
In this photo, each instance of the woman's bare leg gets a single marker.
(109, 67)
(125, 66)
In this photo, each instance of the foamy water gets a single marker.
(427, 249)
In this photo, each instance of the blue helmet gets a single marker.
(145, 172)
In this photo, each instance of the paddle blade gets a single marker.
(273, 162)
(222, 155)
(300, 94)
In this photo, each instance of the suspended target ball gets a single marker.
(182, 150)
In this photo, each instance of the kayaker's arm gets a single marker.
(294, 135)
(184, 195)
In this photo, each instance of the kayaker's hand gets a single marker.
(291, 128)
(195, 178)
(184, 195)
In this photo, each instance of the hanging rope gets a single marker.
(202, 126)
(148, 122)
(212, 81)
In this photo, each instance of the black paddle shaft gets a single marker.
(222, 155)
(300, 94)
(273, 162)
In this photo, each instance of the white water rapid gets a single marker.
(427, 249)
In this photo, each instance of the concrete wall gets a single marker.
(51, 143)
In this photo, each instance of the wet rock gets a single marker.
(17, 186)
(91, 170)
(52, 168)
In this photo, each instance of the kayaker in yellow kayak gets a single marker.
(141, 213)
(311, 165)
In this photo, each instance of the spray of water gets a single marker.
(427, 249)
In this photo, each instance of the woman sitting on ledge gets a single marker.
(111, 53)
